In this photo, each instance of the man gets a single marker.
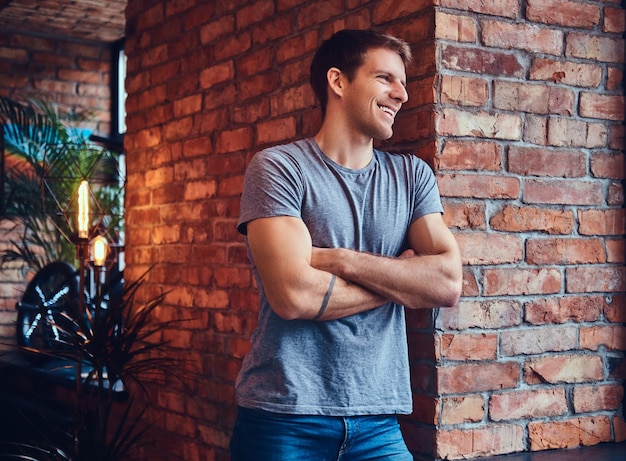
(341, 236)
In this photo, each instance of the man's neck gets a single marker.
(343, 147)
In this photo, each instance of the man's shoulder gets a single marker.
(400, 158)
(289, 147)
(295, 152)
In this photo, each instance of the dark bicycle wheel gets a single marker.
(50, 294)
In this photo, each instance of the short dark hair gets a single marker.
(345, 50)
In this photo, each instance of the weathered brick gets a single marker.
(257, 85)
(606, 107)
(470, 155)
(459, 28)
(456, 379)
(608, 165)
(566, 368)
(254, 12)
(232, 46)
(535, 130)
(615, 251)
(276, 130)
(616, 136)
(401, 8)
(489, 314)
(519, 281)
(479, 186)
(196, 190)
(419, 29)
(481, 61)
(614, 309)
(594, 47)
(216, 74)
(187, 106)
(254, 62)
(615, 195)
(566, 13)
(575, 133)
(178, 129)
(413, 126)
(14, 54)
(464, 91)
(537, 161)
(564, 251)
(614, 20)
(533, 98)
(614, 79)
(612, 337)
(299, 45)
(470, 286)
(504, 8)
(455, 122)
(564, 309)
(572, 73)
(513, 218)
(464, 215)
(528, 404)
(291, 100)
(495, 439)
(234, 140)
(499, 34)
(463, 409)
(537, 341)
(589, 399)
(484, 248)
(602, 222)
(562, 192)
(570, 433)
(481, 346)
(593, 278)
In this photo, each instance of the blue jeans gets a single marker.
(263, 436)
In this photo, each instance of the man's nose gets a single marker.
(399, 93)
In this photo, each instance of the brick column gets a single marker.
(530, 161)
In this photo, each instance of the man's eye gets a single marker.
(385, 77)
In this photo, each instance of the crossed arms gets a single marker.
(297, 276)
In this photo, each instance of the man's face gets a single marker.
(374, 97)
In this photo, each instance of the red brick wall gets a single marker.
(75, 75)
(517, 105)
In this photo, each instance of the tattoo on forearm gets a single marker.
(331, 285)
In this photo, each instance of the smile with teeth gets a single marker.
(389, 111)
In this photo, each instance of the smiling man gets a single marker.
(342, 238)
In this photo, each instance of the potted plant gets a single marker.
(102, 333)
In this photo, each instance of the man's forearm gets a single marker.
(344, 298)
(416, 281)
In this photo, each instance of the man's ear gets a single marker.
(335, 79)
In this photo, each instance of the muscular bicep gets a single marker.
(429, 235)
(281, 249)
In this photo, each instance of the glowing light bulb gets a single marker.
(83, 210)
(99, 250)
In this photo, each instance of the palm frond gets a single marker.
(55, 155)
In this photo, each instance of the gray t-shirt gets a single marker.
(356, 365)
